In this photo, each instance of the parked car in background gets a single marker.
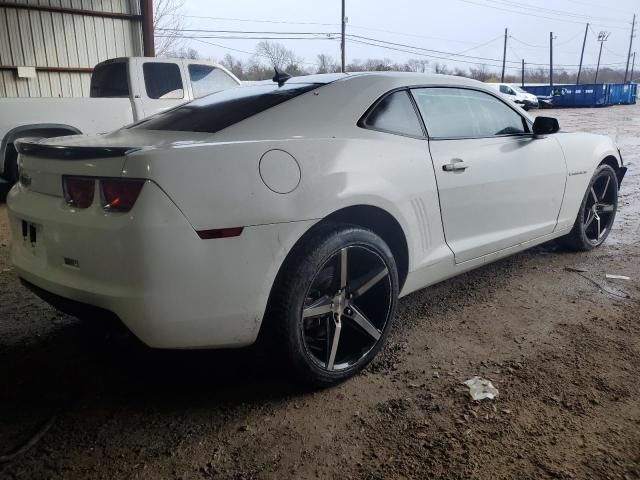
(302, 208)
(123, 90)
(516, 94)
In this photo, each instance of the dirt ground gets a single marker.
(562, 347)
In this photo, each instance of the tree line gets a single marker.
(269, 55)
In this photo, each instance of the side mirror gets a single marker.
(545, 125)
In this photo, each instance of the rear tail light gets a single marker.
(120, 194)
(116, 194)
(79, 191)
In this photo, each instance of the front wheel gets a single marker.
(335, 301)
(597, 212)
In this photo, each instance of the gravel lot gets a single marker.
(563, 348)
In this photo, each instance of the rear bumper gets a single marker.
(68, 306)
(149, 267)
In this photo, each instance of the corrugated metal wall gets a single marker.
(54, 39)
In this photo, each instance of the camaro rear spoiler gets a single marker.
(32, 147)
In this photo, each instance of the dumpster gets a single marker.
(587, 95)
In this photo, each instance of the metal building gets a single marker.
(48, 47)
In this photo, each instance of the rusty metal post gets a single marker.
(146, 8)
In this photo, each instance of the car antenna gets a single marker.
(280, 77)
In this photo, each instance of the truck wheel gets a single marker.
(11, 164)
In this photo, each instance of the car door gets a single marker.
(498, 185)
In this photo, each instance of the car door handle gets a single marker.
(456, 165)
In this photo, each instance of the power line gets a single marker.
(200, 35)
(609, 7)
(450, 54)
(240, 51)
(244, 31)
(427, 37)
(529, 14)
(229, 37)
(549, 11)
(595, 36)
(230, 19)
(421, 54)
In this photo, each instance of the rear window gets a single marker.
(110, 80)
(223, 109)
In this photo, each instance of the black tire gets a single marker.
(309, 277)
(11, 165)
(591, 231)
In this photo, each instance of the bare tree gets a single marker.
(277, 54)
(183, 52)
(233, 64)
(481, 72)
(167, 26)
(326, 63)
(417, 65)
(441, 68)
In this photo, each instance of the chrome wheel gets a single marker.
(599, 211)
(346, 308)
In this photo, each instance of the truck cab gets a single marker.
(157, 84)
(122, 91)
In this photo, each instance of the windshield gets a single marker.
(222, 109)
(518, 89)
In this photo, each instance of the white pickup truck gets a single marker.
(123, 90)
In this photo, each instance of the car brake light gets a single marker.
(78, 191)
(120, 194)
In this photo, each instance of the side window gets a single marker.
(110, 80)
(505, 89)
(163, 80)
(459, 112)
(395, 114)
(206, 79)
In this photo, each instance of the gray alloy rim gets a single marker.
(346, 308)
(599, 210)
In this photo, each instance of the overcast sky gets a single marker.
(472, 27)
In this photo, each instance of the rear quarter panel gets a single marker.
(219, 185)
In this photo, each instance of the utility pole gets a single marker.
(633, 65)
(504, 54)
(344, 25)
(602, 37)
(551, 59)
(633, 25)
(523, 72)
(584, 42)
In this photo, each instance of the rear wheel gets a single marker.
(597, 212)
(335, 302)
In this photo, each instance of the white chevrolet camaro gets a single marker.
(302, 207)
